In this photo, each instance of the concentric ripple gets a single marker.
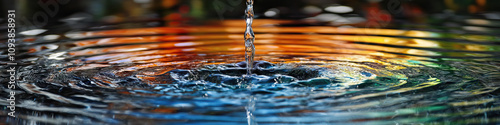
(302, 75)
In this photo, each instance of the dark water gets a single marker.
(302, 75)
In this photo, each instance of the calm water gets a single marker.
(301, 75)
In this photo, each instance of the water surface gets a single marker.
(301, 75)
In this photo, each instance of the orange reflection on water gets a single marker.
(185, 47)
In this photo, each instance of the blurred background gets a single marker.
(369, 13)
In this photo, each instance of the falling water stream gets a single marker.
(249, 37)
(302, 74)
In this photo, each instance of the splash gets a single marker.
(196, 74)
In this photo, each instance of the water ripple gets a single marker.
(305, 75)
